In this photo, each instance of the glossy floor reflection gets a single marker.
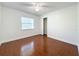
(27, 49)
(38, 46)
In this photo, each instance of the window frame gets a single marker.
(32, 23)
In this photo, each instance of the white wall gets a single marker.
(62, 24)
(0, 22)
(78, 21)
(78, 24)
(12, 25)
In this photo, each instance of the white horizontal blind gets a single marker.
(27, 23)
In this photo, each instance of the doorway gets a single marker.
(45, 26)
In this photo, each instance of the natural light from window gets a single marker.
(27, 23)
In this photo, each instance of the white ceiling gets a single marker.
(46, 6)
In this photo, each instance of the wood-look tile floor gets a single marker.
(38, 46)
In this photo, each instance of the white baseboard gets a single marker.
(16, 38)
(62, 40)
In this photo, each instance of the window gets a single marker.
(27, 23)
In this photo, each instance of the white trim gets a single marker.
(64, 41)
(16, 39)
(61, 40)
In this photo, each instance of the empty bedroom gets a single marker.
(39, 28)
